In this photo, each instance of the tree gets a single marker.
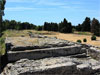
(65, 26)
(2, 4)
(17, 25)
(50, 26)
(69, 28)
(39, 28)
(86, 25)
(95, 28)
(45, 26)
(79, 27)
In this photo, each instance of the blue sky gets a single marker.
(39, 11)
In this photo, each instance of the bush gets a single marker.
(84, 40)
(93, 37)
(79, 41)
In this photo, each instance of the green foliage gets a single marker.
(95, 28)
(79, 41)
(83, 33)
(1, 40)
(50, 26)
(39, 28)
(2, 46)
(93, 37)
(73, 30)
(2, 6)
(17, 25)
(84, 40)
(79, 27)
(65, 26)
(86, 25)
(63, 30)
(89, 26)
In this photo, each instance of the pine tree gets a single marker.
(86, 25)
(95, 28)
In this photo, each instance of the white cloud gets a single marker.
(70, 7)
(49, 2)
(88, 10)
(77, 3)
(18, 8)
(21, 1)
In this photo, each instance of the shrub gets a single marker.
(93, 37)
(79, 41)
(84, 40)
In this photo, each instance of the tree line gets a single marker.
(64, 26)
(89, 25)
(12, 24)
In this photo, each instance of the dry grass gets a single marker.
(15, 33)
(75, 37)
(71, 37)
(23, 41)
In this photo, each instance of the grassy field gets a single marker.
(71, 37)
(77, 36)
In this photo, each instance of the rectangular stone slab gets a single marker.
(26, 43)
(44, 53)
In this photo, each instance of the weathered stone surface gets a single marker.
(44, 53)
(94, 53)
(53, 66)
(26, 43)
(37, 48)
(41, 55)
(84, 69)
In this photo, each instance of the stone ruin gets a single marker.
(42, 55)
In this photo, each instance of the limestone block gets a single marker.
(94, 53)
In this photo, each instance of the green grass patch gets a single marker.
(2, 46)
(83, 33)
(14, 33)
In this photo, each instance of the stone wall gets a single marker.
(56, 57)
(44, 53)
